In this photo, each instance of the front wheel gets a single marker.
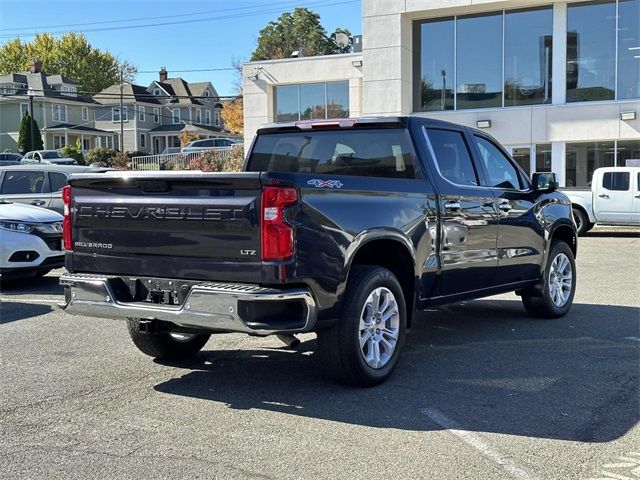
(558, 284)
(167, 345)
(363, 348)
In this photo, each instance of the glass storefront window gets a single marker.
(583, 158)
(436, 65)
(286, 103)
(543, 157)
(527, 57)
(629, 49)
(479, 61)
(337, 100)
(591, 51)
(311, 100)
(628, 151)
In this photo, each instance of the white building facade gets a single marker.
(556, 82)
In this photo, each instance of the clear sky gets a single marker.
(193, 34)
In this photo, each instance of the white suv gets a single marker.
(30, 240)
(209, 144)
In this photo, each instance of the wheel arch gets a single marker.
(388, 249)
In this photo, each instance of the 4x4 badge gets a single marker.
(325, 183)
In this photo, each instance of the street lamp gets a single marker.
(31, 92)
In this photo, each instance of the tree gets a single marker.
(299, 30)
(233, 116)
(70, 55)
(24, 135)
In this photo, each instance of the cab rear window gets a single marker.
(368, 153)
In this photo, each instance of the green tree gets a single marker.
(70, 55)
(24, 135)
(299, 30)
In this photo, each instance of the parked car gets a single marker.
(613, 199)
(31, 240)
(170, 150)
(48, 156)
(39, 185)
(9, 158)
(342, 227)
(208, 144)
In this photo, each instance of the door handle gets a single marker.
(37, 202)
(603, 195)
(637, 196)
(453, 206)
(505, 207)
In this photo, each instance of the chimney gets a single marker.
(163, 74)
(35, 66)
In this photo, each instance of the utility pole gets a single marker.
(121, 110)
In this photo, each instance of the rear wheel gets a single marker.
(363, 348)
(167, 345)
(582, 221)
(558, 284)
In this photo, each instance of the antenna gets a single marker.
(341, 40)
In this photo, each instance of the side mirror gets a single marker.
(545, 181)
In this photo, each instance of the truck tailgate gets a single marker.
(167, 224)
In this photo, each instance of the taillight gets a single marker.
(277, 235)
(66, 223)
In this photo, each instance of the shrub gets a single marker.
(120, 161)
(100, 155)
(74, 151)
(216, 161)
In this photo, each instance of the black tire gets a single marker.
(339, 346)
(541, 304)
(162, 345)
(582, 221)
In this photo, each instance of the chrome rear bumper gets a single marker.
(210, 306)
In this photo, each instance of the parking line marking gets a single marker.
(476, 441)
(635, 339)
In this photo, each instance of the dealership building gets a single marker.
(556, 82)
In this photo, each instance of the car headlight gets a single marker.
(17, 226)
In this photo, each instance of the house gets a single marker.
(154, 117)
(63, 113)
(557, 82)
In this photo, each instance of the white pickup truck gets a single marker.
(613, 199)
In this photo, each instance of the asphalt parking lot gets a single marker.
(482, 392)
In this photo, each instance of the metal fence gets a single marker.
(172, 161)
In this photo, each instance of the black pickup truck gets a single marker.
(341, 227)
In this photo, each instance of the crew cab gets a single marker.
(613, 199)
(341, 227)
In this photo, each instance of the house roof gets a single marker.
(179, 127)
(58, 79)
(178, 88)
(198, 88)
(131, 92)
(42, 86)
(69, 126)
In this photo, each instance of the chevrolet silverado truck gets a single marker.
(345, 228)
(613, 199)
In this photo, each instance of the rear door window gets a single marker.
(452, 156)
(367, 152)
(616, 181)
(18, 182)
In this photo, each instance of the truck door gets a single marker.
(468, 228)
(635, 212)
(520, 235)
(612, 196)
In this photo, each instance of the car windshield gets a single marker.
(51, 154)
